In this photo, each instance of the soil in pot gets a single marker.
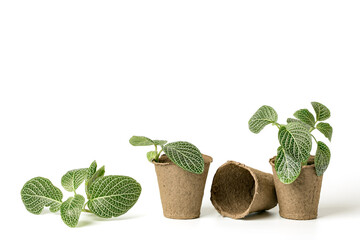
(299, 200)
(238, 190)
(181, 192)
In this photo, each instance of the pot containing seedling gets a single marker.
(181, 174)
(297, 174)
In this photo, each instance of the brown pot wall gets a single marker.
(238, 190)
(300, 199)
(181, 192)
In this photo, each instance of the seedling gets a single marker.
(295, 139)
(108, 196)
(183, 154)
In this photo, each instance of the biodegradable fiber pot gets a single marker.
(238, 190)
(300, 199)
(181, 192)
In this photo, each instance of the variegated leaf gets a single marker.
(325, 129)
(322, 158)
(70, 210)
(112, 196)
(185, 155)
(287, 168)
(322, 112)
(296, 140)
(38, 193)
(262, 117)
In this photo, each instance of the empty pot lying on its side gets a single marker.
(238, 190)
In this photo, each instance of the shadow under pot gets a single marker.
(299, 200)
(238, 190)
(181, 192)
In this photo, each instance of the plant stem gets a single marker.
(314, 138)
(276, 124)
(84, 209)
(157, 155)
(313, 128)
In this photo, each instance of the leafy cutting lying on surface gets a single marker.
(183, 154)
(295, 139)
(108, 196)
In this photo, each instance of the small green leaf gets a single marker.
(322, 158)
(262, 117)
(73, 179)
(38, 193)
(186, 156)
(151, 155)
(322, 112)
(70, 210)
(289, 120)
(325, 129)
(140, 141)
(99, 173)
(160, 142)
(296, 140)
(91, 170)
(305, 116)
(112, 196)
(287, 167)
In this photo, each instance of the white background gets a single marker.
(79, 78)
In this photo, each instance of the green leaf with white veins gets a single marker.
(325, 129)
(70, 210)
(305, 116)
(92, 174)
(186, 156)
(112, 196)
(322, 158)
(289, 120)
(98, 174)
(91, 170)
(262, 117)
(38, 193)
(160, 142)
(296, 140)
(74, 178)
(151, 155)
(140, 141)
(287, 168)
(322, 112)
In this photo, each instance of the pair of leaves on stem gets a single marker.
(322, 155)
(184, 154)
(307, 118)
(108, 196)
(295, 139)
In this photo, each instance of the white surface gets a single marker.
(79, 78)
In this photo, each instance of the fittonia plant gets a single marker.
(183, 154)
(108, 196)
(295, 139)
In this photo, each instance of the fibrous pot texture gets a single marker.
(299, 200)
(181, 192)
(238, 190)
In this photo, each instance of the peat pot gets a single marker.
(238, 190)
(181, 192)
(299, 200)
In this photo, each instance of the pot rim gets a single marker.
(312, 157)
(256, 186)
(207, 159)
